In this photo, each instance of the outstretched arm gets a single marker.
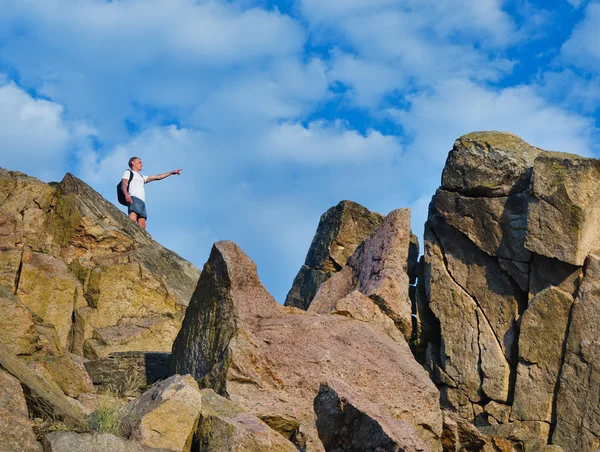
(164, 175)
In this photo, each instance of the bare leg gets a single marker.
(142, 222)
(133, 216)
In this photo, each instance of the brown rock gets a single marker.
(543, 332)
(270, 360)
(489, 164)
(497, 225)
(474, 302)
(346, 420)
(379, 270)
(17, 326)
(563, 218)
(69, 373)
(546, 272)
(460, 435)
(16, 434)
(225, 426)
(90, 442)
(341, 229)
(166, 416)
(529, 436)
(48, 288)
(43, 389)
(360, 307)
(577, 422)
(67, 252)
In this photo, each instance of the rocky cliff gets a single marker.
(77, 263)
(510, 282)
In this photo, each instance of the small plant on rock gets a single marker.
(106, 418)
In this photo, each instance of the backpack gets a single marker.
(120, 193)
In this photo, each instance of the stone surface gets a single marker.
(563, 218)
(489, 164)
(44, 390)
(577, 412)
(378, 269)
(460, 435)
(128, 372)
(18, 326)
(346, 420)
(341, 229)
(543, 332)
(16, 434)
(477, 310)
(496, 225)
(80, 264)
(270, 359)
(68, 372)
(166, 416)
(90, 442)
(527, 436)
(225, 426)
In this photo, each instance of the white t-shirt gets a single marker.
(136, 186)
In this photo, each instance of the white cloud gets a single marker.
(583, 47)
(321, 143)
(437, 117)
(35, 138)
(575, 3)
(112, 61)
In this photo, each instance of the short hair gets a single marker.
(131, 161)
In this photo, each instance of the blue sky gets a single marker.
(277, 110)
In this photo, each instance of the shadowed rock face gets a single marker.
(341, 229)
(271, 360)
(346, 421)
(80, 264)
(503, 280)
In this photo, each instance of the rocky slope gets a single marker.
(510, 283)
(79, 264)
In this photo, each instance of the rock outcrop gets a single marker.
(270, 360)
(341, 229)
(374, 286)
(90, 442)
(509, 284)
(79, 264)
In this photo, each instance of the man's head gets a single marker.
(135, 163)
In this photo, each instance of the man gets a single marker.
(136, 195)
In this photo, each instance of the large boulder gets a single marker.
(348, 421)
(166, 416)
(379, 270)
(563, 219)
(78, 263)
(90, 442)
(16, 433)
(237, 340)
(225, 426)
(341, 229)
(506, 302)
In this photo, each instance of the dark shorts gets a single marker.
(138, 206)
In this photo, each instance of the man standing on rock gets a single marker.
(136, 194)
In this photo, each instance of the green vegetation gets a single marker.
(106, 418)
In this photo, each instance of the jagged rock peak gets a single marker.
(341, 229)
(270, 359)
